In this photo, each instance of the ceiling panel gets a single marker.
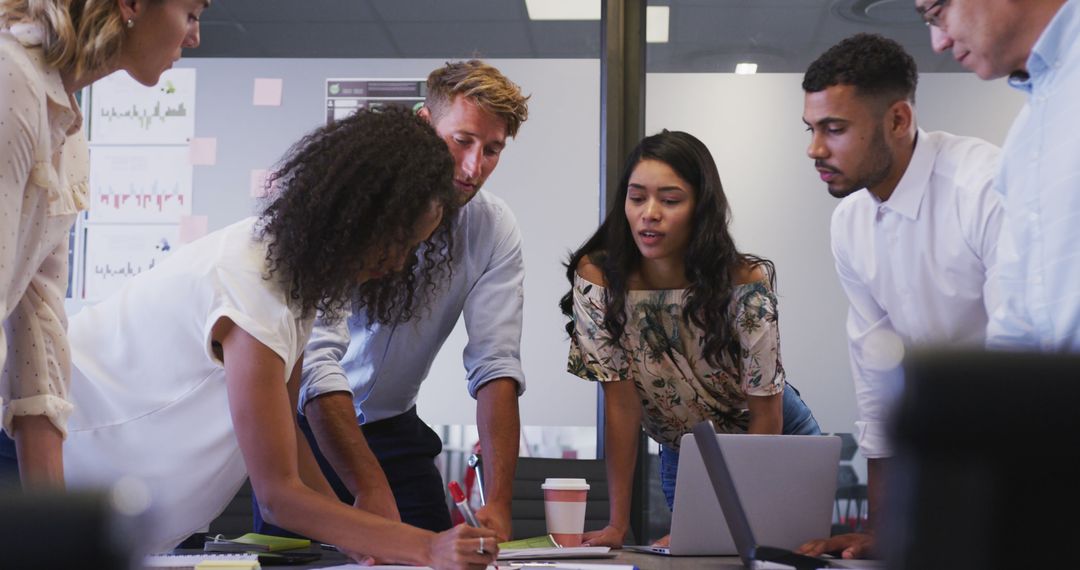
(484, 40)
(293, 10)
(323, 39)
(450, 10)
(706, 35)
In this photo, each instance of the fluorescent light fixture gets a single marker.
(745, 68)
(656, 24)
(563, 9)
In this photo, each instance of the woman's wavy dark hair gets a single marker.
(712, 261)
(351, 191)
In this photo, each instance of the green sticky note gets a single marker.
(544, 541)
(254, 542)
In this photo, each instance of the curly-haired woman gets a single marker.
(50, 49)
(187, 377)
(675, 322)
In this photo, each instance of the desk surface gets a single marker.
(641, 560)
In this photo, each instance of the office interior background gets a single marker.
(551, 173)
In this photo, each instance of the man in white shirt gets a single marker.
(368, 373)
(1035, 44)
(914, 238)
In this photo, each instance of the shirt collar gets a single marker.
(1052, 46)
(31, 35)
(907, 197)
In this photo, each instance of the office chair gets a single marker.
(527, 508)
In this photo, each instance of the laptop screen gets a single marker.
(724, 486)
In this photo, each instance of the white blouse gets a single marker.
(44, 166)
(149, 391)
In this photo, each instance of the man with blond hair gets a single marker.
(356, 372)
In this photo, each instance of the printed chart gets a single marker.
(124, 112)
(130, 184)
(116, 253)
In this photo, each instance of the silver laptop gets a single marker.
(729, 494)
(787, 482)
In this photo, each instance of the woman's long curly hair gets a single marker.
(712, 261)
(346, 195)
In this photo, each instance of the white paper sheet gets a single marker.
(143, 185)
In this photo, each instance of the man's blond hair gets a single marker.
(484, 85)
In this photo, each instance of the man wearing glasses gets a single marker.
(914, 237)
(1034, 43)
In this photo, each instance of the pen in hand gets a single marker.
(466, 511)
(462, 504)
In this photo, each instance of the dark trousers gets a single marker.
(406, 449)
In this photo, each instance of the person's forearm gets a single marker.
(875, 488)
(298, 508)
(333, 421)
(39, 449)
(499, 424)
(766, 414)
(622, 426)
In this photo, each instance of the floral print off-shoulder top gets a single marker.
(662, 354)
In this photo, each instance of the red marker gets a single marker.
(462, 503)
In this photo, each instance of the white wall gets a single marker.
(781, 210)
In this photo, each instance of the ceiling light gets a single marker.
(563, 9)
(656, 24)
(745, 68)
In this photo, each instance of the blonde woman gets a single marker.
(49, 49)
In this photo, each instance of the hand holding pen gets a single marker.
(485, 546)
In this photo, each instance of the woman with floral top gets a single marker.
(675, 322)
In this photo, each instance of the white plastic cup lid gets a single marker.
(565, 484)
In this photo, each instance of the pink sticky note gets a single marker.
(258, 183)
(203, 151)
(267, 92)
(192, 228)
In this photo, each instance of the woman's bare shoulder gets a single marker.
(590, 271)
(751, 273)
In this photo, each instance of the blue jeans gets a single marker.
(9, 464)
(798, 420)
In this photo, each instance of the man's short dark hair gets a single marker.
(873, 64)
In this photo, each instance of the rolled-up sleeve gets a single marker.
(322, 372)
(38, 367)
(493, 312)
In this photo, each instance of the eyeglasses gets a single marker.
(931, 15)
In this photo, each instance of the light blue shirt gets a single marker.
(1039, 252)
(384, 365)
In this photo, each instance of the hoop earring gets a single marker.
(130, 23)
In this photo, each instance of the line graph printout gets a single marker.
(124, 112)
(117, 252)
(139, 184)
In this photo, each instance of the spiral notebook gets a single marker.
(192, 561)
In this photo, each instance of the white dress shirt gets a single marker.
(150, 394)
(1040, 178)
(44, 166)
(383, 365)
(915, 268)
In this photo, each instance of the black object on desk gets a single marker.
(64, 530)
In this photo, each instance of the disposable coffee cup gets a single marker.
(564, 507)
